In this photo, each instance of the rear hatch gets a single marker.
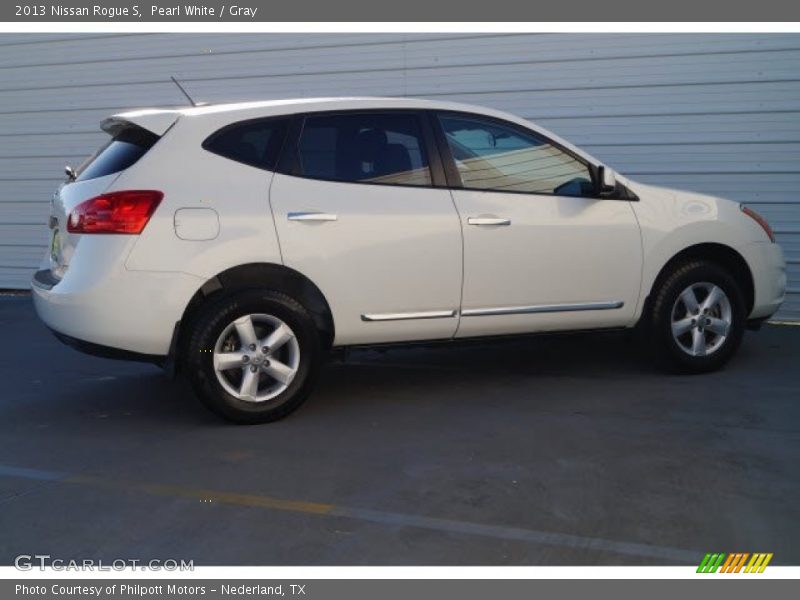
(128, 142)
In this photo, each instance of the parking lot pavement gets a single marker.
(549, 450)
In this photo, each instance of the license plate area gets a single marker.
(55, 250)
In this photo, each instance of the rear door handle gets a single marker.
(483, 221)
(311, 216)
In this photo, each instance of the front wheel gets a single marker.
(253, 356)
(697, 318)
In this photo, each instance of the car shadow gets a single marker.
(104, 389)
(530, 369)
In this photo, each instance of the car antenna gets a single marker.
(185, 93)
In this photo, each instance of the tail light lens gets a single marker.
(760, 220)
(117, 212)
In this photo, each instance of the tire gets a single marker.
(701, 348)
(284, 376)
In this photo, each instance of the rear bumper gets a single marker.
(107, 351)
(117, 314)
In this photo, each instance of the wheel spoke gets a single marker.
(718, 326)
(698, 343)
(681, 326)
(249, 388)
(690, 300)
(278, 338)
(228, 360)
(246, 331)
(280, 372)
(713, 298)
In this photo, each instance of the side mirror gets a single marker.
(607, 181)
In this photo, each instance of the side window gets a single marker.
(363, 148)
(256, 143)
(491, 156)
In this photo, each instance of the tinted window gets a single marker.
(256, 143)
(365, 148)
(491, 156)
(124, 149)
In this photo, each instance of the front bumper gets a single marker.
(768, 268)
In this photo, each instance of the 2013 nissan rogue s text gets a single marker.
(242, 242)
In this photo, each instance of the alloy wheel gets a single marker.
(256, 357)
(701, 319)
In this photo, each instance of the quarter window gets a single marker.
(255, 143)
(363, 148)
(492, 156)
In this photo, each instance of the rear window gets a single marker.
(256, 143)
(120, 152)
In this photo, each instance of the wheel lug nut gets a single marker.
(266, 363)
(265, 350)
(245, 358)
(252, 346)
(253, 368)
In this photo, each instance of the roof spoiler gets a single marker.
(153, 120)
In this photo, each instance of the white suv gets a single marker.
(242, 242)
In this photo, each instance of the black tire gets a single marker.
(209, 325)
(667, 350)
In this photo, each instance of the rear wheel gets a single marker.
(697, 318)
(253, 356)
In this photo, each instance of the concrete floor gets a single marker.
(554, 450)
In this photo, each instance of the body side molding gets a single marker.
(429, 314)
(541, 308)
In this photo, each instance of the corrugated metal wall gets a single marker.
(714, 113)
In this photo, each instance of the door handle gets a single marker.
(483, 221)
(311, 216)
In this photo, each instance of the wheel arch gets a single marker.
(721, 254)
(262, 275)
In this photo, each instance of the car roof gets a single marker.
(159, 120)
(289, 105)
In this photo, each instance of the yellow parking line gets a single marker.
(160, 489)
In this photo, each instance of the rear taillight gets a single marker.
(117, 212)
(760, 220)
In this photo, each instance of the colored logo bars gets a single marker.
(734, 563)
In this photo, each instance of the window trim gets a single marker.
(454, 176)
(272, 165)
(289, 161)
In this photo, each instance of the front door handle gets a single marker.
(311, 216)
(483, 221)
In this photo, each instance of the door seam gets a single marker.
(463, 265)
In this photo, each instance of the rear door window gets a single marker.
(255, 143)
(119, 153)
(385, 148)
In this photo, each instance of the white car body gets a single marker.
(397, 264)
